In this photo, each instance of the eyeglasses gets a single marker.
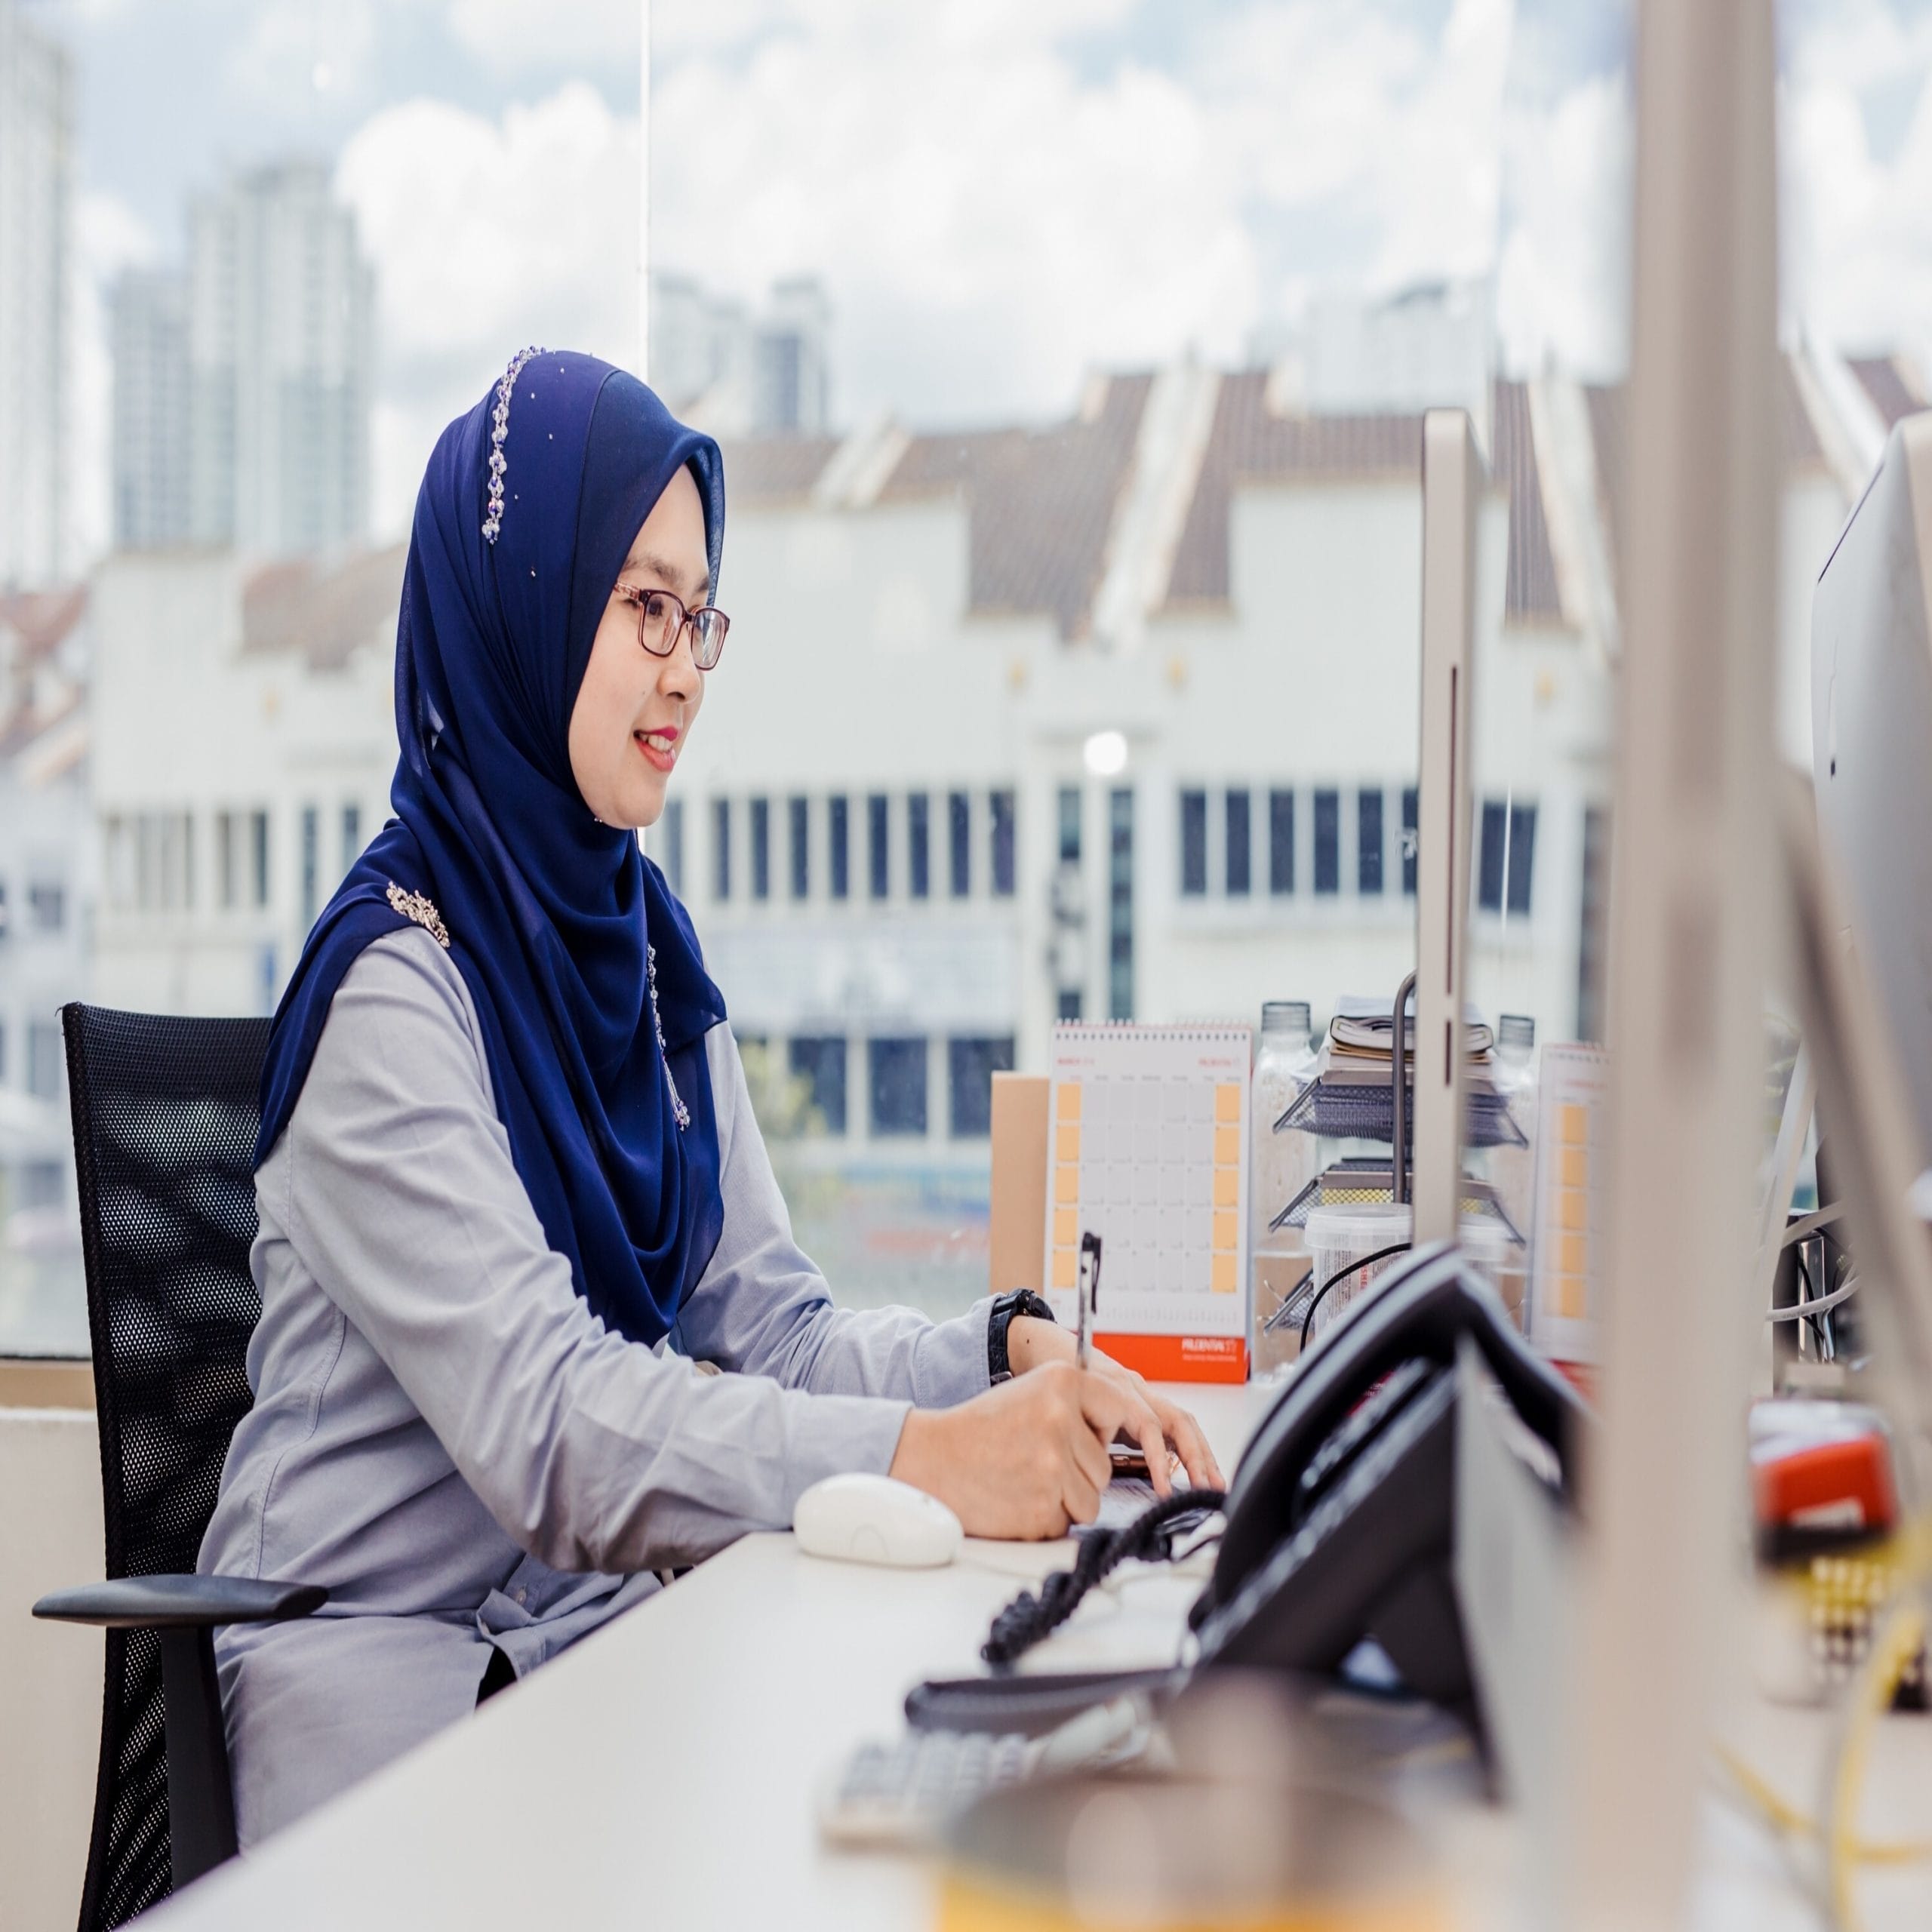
(661, 616)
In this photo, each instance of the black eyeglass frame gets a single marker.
(638, 595)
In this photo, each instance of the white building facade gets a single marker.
(36, 247)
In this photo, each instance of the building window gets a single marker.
(1281, 842)
(819, 1062)
(1235, 850)
(1411, 805)
(46, 905)
(721, 848)
(352, 833)
(43, 1059)
(113, 831)
(1508, 855)
(673, 823)
(1069, 825)
(312, 839)
(1001, 803)
(799, 811)
(970, 1066)
(1368, 840)
(839, 839)
(1327, 842)
(1193, 845)
(3, 1052)
(919, 845)
(896, 1074)
(258, 844)
(1120, 904)
(1591, 940)
(761, 848)
(959, 842)
(878, 847)
(1068, 1005)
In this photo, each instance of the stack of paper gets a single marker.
(1361, 1038)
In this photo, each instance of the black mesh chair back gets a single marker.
(165, 1113)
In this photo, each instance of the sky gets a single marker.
(999, 195)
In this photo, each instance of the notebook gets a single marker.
(1147, 1148)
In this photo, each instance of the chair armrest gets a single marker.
(180, 1603)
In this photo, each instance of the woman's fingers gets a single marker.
(1191, 1446)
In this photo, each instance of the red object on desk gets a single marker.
(1845, 1484)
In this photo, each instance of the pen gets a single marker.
(1089, 1297)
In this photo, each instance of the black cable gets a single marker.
(1341, 1275)
(1811, 1294)
(1028, 1618)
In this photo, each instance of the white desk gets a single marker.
(665, 1772)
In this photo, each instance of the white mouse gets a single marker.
(873, 1519)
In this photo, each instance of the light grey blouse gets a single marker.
(446, 1437)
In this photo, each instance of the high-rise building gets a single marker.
(36, 229)
(242, 385)
(151, 416)
(737, 374)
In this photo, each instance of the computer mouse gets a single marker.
(873, 1519)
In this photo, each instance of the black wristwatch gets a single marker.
(1021, 1301)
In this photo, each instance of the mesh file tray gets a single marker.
(1361, 1182)
(1368, 1113)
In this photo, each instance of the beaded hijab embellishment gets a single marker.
(414, 906)
(500, 431)
(679, 1112)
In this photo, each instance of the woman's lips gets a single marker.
(660, 748)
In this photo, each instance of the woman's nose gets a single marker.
(680, 677)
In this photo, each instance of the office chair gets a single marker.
(165, 1113)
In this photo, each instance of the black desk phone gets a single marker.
(1340, 1523)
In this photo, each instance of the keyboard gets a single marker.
(899, 1794)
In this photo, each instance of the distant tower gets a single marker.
(36, 241)
(790, 380)
(150, 443)
(279, 305)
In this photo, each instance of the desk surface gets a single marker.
(666, 1771)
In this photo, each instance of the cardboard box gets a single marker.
(1017, 1239)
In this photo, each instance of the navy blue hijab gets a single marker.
(552, 919)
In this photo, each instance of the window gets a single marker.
(113, 825)
(1327, 843)
(919, 845)
(1508, 851)
(47, 905)
(959, 842)
(352, 833)
(1120, 904)
(1411, 805)
(838, 838)
(312, 839)
(1368, 840)
(761, 848)
(1236, 853)
(227, 860)
(878, 847)
(673, 823)
(799, 811)
(970, 1066)
(896, 1071)
(1193, 845)
(819, 1062)
(151, 862)
(1592, 939)
(43, 1059)
(258, 842)
(1069, 825)
(721, 848)
(1281, 842)
(1001, 803)
(3, 1052)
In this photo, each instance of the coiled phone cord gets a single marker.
(1028, 1619)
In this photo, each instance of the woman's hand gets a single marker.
(1027, 1458)
(1031, 1342)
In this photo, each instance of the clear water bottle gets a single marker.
(1281, 1166)
(1512, 1169)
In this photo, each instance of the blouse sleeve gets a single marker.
(594, 1452)
(762, 1308)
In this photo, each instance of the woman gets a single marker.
(511, 1190)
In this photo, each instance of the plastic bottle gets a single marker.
(1512, 1169)
(1281, 1165)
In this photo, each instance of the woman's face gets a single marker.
(634, 711)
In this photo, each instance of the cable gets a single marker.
(1341, 1275)
(1785, 1817)
(1028, 1618)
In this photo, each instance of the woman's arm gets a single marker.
(763, 1309)
(592, 1452)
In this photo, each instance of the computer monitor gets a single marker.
(1871, 745)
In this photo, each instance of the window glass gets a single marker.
(44, 1059)
(1368, 840)
(1236, 845)
(970, 1066)
(672, 844)
(1193, 844)
(799, 811)
(721, 849)
(919, 845)
(1004, 833)
(1120, 904)
(819, 1060)
(959, 822)
(761, 848)
(312, 839)
(896, 1072)
(1409, 809)
(352, 833)
(1281, 842)
(878, 843)
(838, 840)
(47, 905)
(1069, 824)
(1327, 841)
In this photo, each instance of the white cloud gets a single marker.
(487, 235)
